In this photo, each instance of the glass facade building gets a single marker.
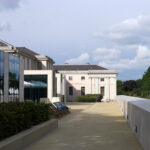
(35, 87)
(1, 76)
(14, 76)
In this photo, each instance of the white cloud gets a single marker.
(141, 60)
(83, 58)
(105, 54)
(130, 41)
(129, 32)
(4, 26)
(10, 4)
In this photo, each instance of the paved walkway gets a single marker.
(99, 126)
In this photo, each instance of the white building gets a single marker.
(87, 79)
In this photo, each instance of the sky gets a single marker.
(111, 33)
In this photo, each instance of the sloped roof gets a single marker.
(77, 67)
(2, 44)
(27, 51)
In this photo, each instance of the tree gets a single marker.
(119, 87)
(129, 85)
(146, 81)
(139, 83)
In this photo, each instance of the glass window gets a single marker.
(14, 74)
(1, 76)
(102, 90)
(35, 87)
(102, 79)
(70, 77)
(70, 90)
(83, 90)
(83, 78)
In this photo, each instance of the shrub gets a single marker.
(89, 98)
(15, 117)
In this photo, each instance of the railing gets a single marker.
(137, 112)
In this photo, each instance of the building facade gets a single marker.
(25, 74)
(87, 79)
(11, 74)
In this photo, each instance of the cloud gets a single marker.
(4, 26)
(105, 54)
(130, 45)
(9, 4)
(83, 58)
(141, 60)
(129, 32)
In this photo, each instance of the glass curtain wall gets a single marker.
(1, 76)
(35, 87)
(14, 75)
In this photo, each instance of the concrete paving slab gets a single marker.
(90, 126)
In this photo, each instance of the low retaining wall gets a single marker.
(137, 112)
(25, 138)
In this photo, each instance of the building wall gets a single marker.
(49, 74)
(92, 84)
(76, 83)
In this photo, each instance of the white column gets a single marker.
(58, 76)
(64, 87)
(90, 85)
(50, 85)
(113, 88)
(97, 85)
(107, 89)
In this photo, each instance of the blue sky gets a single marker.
(112, 33)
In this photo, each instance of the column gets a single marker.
(21, 80)
(64, 87)
(107, 89)
(50, 85)
(90, 85)
(97, 85)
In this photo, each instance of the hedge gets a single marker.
(89, 98)
(15, 117)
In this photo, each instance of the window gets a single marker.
(14, 74)
(83, 90)
(35, 87)
(1, 76)
(102, 79)
(102, 90)
(70, 90)
(83, 78)
(70, 77)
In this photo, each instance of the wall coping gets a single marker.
(142, 103)
(25, 138)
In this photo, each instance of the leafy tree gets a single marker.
(129, 85)
(139, 83)
(119, 87)
(146, 81)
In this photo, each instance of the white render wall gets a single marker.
(92, 83)
(49, 74)
(59, 84)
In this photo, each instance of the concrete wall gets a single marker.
(137, 112)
